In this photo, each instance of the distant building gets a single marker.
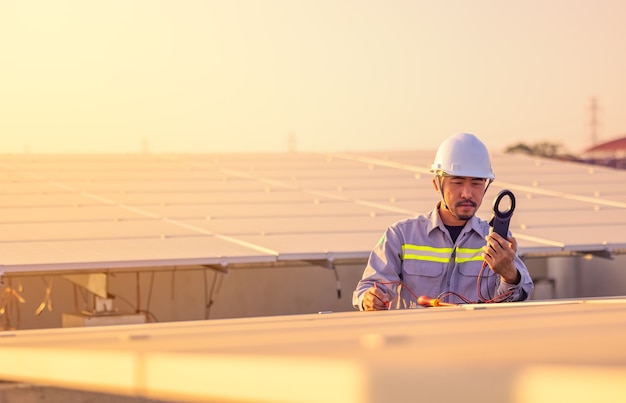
(611, 153)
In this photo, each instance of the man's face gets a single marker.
(463, 195)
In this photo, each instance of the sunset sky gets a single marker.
(336, 75)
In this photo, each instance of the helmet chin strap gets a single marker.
(443, 198)
(440, 186)
(445, 205)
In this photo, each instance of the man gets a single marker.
(448, 254)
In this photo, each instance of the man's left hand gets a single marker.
(499, 253)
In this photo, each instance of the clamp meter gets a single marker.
(501, 218)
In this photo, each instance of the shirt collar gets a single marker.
(437, 222)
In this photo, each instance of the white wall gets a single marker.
(178, 295)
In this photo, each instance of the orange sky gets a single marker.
(218, 76)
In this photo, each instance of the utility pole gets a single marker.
(594, 121)
(291, 142)
(145, 145)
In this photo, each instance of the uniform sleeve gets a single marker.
(521, 291)
(384, 265)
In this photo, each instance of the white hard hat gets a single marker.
(463, 155)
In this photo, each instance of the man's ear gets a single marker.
(435, 184)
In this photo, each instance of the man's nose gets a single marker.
(466, 190)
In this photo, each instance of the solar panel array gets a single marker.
(567, 350)
(92, 212)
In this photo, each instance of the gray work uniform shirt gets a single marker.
(417, 257)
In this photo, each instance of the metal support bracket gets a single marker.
(330, 265)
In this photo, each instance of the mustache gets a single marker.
(467, 201)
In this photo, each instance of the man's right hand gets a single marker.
(375, 299)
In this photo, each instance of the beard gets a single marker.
(464, 204)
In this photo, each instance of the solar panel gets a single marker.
(102, 211)
(107, 254)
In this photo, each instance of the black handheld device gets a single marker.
(500, 219)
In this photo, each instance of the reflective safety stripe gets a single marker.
(441, 255)
(468, 254)
(429, 253)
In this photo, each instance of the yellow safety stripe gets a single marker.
(428, 258)
(468, 254)
(441, 255)
(426, 248)
(428, 253)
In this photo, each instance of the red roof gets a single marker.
(613, 145)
